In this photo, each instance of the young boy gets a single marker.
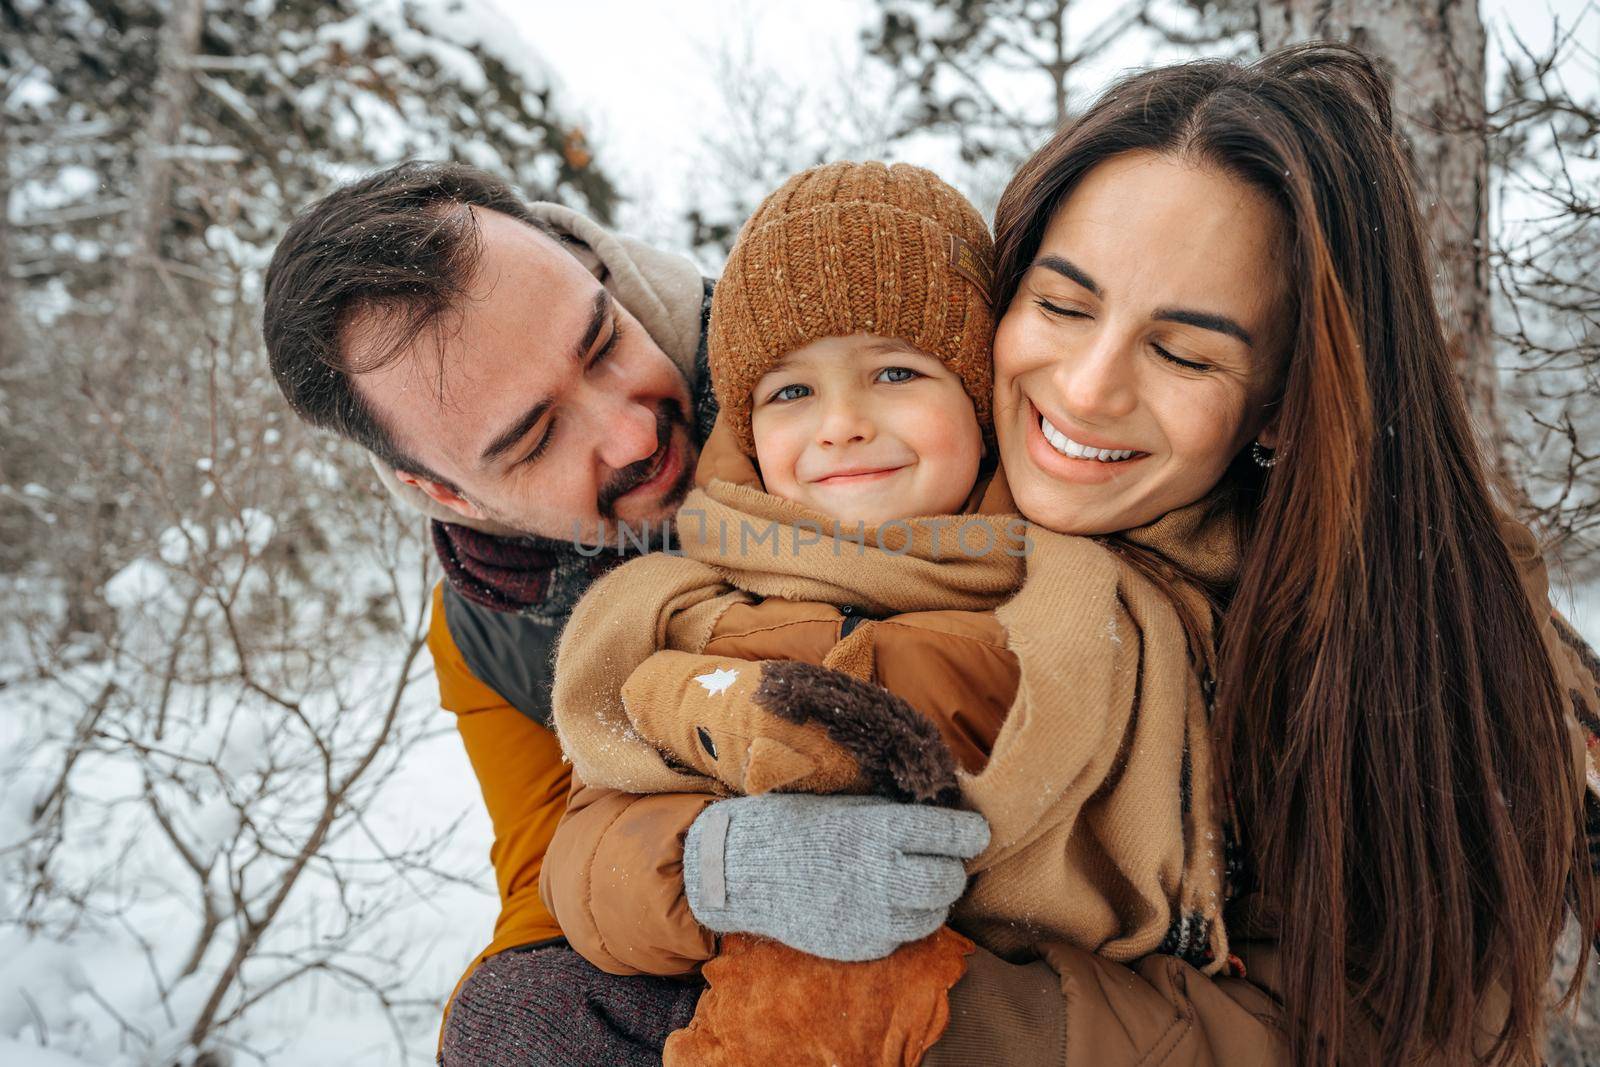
(841, 517)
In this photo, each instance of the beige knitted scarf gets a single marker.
(1100, 789)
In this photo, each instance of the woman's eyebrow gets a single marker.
(1069, 270)
(1205, 320)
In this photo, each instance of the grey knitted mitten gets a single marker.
(841, 877)
(549, 1006)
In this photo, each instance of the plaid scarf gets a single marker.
(534, 576)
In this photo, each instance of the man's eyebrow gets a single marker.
(1206, 321)
(1069, 270)
(514, 433)
(598, 314)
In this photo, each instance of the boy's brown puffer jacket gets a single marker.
(613, 877)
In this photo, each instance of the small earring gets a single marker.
(1264, 457)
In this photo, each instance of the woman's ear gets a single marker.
(1267, 437)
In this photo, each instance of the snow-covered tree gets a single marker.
(155, 150)
(1000, 76)
(771, 124)
(214, 617)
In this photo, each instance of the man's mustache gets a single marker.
(629, 478)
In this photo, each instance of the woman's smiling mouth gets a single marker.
(1078, 450)
(1068, 459)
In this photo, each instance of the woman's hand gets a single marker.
(842, 877)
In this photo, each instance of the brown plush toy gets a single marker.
(764, 725)
(788, 726)
(767, 1004)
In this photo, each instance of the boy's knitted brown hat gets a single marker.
(850, 248)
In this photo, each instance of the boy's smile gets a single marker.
(857, 476)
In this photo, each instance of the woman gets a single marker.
(1215, 280)
(1401, 757)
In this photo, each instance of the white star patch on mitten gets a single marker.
(717, 680)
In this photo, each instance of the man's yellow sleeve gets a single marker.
(524, 783)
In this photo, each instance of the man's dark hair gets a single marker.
(396, 249)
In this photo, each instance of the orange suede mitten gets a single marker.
(768, 1004)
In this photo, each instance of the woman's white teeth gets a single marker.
(1068, 447)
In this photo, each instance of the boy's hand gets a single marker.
(842, 877)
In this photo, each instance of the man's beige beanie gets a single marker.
(852, 248)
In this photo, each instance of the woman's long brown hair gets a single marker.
(1390, 727)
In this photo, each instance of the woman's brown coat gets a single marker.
(1075, 1008)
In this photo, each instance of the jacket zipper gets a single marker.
(852, 619)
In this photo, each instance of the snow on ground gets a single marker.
(69, 987)
(54, 985)
(80, 985)
(57, 985)
(324, 1025)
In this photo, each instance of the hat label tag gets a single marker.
(965, 261)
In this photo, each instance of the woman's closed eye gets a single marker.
(1058, 311)
(1186, 364)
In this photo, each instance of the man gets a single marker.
(531, 383)
(537, 386)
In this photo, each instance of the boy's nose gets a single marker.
(843, 423)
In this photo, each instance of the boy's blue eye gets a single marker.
(792, 392)
(897, 374)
